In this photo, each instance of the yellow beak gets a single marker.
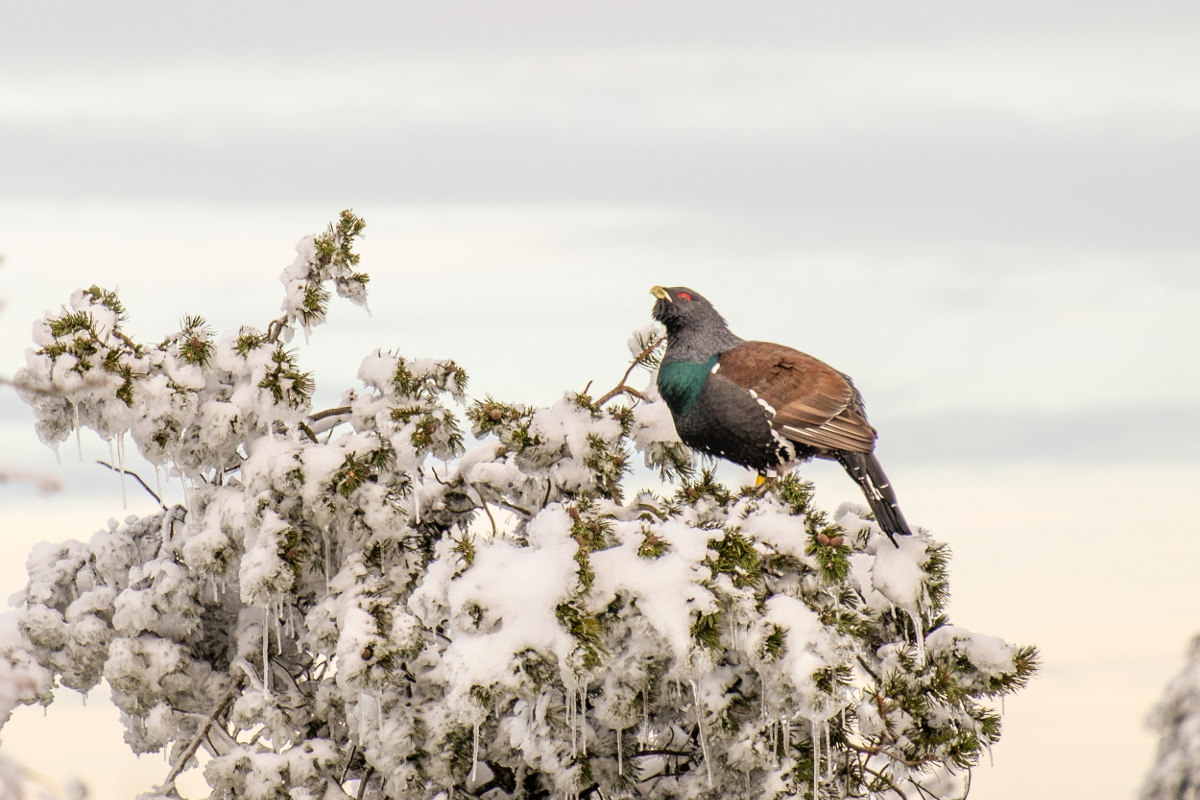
(661, 294)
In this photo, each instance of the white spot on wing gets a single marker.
(716, 367)
(770, 409)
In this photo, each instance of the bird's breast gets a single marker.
(681, 382)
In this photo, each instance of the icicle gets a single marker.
(571, 722)
(416, 500)
(121, 466)
(266, 654)
(703, 738)
(57, 455)
(78, 435)
(816, 757)
(620, 755)
(362, 719)
(919, 637)
(475, 753)
(279, 631)
(762, 695)
(325, 539)
(158, 480)
(644, 735)
(583, 718)
(828, 753)
(216, 597)
(379, 716)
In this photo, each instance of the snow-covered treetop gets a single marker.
(368, 599)
(1175, 773)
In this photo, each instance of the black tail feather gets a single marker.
(864, 468)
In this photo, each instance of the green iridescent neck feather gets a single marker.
(680, 382)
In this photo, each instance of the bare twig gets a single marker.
(307, 431)
(621, 388)
(644, 753)
(190, 750)
(322, 421)
(867, 668)
(885, 780)
(329, 412)
(275, 328)
(488, 511)
(136, 477)
(880, 750)
(349, 761)
(128, 342)
(514, 507)
(362, 786)
(922, 790)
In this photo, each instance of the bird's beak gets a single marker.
(661, 293)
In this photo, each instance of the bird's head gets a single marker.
(695, 331)
(678, 308)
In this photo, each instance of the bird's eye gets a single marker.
(684, 296)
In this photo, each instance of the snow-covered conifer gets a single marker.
(1175, 774)
(421, 595)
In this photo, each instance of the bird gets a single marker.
(763, 405)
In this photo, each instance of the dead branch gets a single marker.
(136, 477)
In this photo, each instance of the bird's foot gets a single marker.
(762, 485)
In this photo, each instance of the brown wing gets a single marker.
(810, 402)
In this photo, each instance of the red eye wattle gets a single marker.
(684, 296)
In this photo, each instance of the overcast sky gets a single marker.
(985, 214)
